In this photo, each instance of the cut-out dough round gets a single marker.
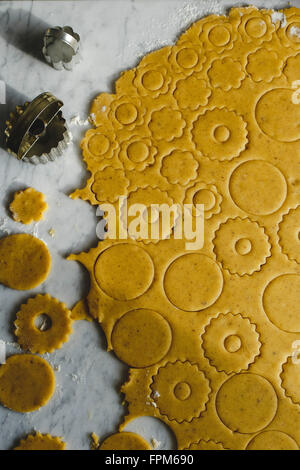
(27, 383)
(220, 134)
(38, 340)
(206, 194)
(281, 302)
(231, 342)
(124, 271)
(193, 282)
(125, 441)
(246, 403)
(28, 206)
(25, 261)
(180, 391)
(40, 441)
(273, 114)
(258, 187)
(141, 338)
(272, 440)
(241, 246)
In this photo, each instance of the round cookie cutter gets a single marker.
(62, 47)
(37, 132)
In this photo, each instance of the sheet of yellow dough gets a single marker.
(208, 333)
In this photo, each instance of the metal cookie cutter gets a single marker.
(61, 47)
(37, 131)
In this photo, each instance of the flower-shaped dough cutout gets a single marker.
(99, 147)
(214, 33)
(206, 445)
(192, 92)
(147, 197)
(241, 246)
(220, 134)
(230, 342)
(126, 112)
(256, 27)
(28, 206)
(55, 328)
(180, 391)
(27, 383)
(206, 194)
(179, 167)
(109, 185)
(187, 58)
(167, 124)
(291, 69)
(264, 65)
(290, 380)
(289, 234)
(289, 33)
(226, 74)
(219, 34)
(152, 80)
(40, 441)
(137, 153)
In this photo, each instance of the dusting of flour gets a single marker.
(278, 16)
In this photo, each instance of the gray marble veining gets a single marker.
(115, 34)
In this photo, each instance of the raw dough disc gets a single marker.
(125, 441)
(246, 403)
(25, 261)
(53, 332)
(272, 440)
(27, 383)
(141, 338)
(40, 441)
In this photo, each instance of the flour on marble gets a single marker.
(278, 16)
(77, 121)
(295, 31)
(155, 443)
(3, 226)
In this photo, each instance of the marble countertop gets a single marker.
(115, 34)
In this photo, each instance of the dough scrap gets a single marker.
(25, 261)
(28, 206)
(125, 441)
(212, 119)
(40, 441)
(43, 340)
(80, 311)
(27, 383)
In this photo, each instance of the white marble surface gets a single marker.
(115, 34)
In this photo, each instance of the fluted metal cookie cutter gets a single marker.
(61, 47)
(37, 131)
